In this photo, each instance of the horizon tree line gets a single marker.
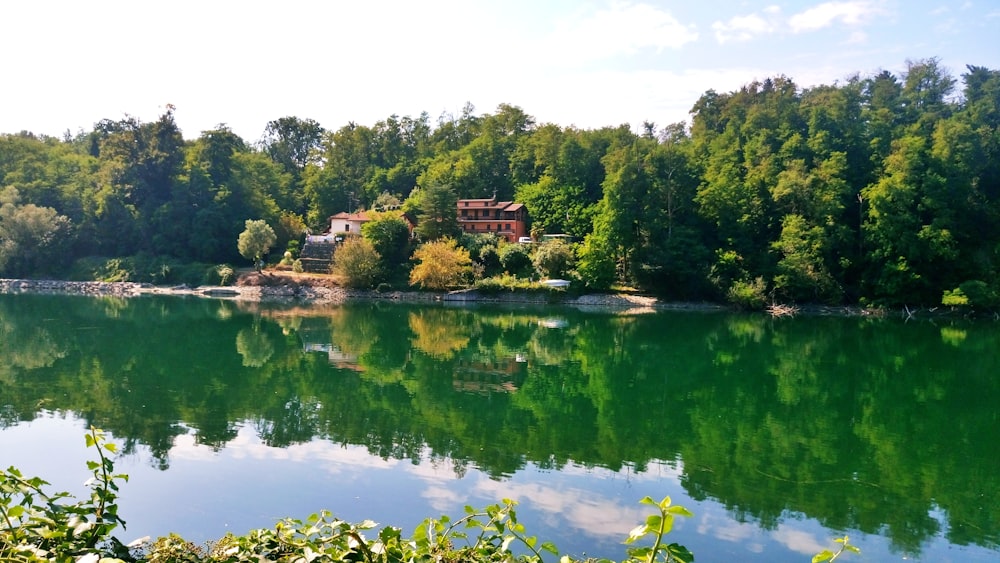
(881, 189)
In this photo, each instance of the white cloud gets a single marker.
(797, 540)
(621, 29)
(750, 26)
(829, 13)
(721, 527)
(443, 499)
(744, 28)
(579, 509)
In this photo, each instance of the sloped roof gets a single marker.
(359, 217)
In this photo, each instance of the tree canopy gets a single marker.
(881, 188)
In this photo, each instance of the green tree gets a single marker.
(255, 241)
(553, 258)
(438, 214)
(389, 233)
(358, 263)
(292, 142)
(441, 264)
(32, 238)
(596, 263)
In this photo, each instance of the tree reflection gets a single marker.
(254, 346)
(860, 423)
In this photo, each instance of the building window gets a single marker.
(507, 226)
(465, 203)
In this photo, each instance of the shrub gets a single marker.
(489, 259)
(750, 295)
(442, 264)
(358, 263)
(220, 274)
(47, 527)
(553, 259)
(973, 293)
(515, 259)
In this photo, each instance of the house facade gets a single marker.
(344, 223)
(349, 223)
(505, 218)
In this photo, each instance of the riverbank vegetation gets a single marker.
(878, 189)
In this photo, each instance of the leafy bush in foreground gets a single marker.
(37, 526)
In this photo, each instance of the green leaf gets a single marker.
(680, 511)
(636, 533)
(664, 503)
(15, 511)
(647, 500)
(679, 553)
(550, 547)
(111, 447)
(824, 555)
(668, 523)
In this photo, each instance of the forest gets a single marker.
(878, 189)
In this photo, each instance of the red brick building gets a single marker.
(505, 218)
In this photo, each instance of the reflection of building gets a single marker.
(317, 337)
(485, 376)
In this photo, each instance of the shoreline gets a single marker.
(274, 287)
(290, 290)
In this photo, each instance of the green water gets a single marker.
(778, 434)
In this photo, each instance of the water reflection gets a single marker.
(780, 433)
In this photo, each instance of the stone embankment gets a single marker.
(278, 291)
(117, 289)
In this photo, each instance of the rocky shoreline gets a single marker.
(275, 287)
(281, 289)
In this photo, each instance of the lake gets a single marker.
(778, 434)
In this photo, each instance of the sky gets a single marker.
(67, 64)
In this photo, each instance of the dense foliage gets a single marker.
(881, 189)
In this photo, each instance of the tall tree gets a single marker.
(293, 143)
(438, 214)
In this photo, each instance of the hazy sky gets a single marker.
(67, 64)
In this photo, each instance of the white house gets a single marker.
(344, 222)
